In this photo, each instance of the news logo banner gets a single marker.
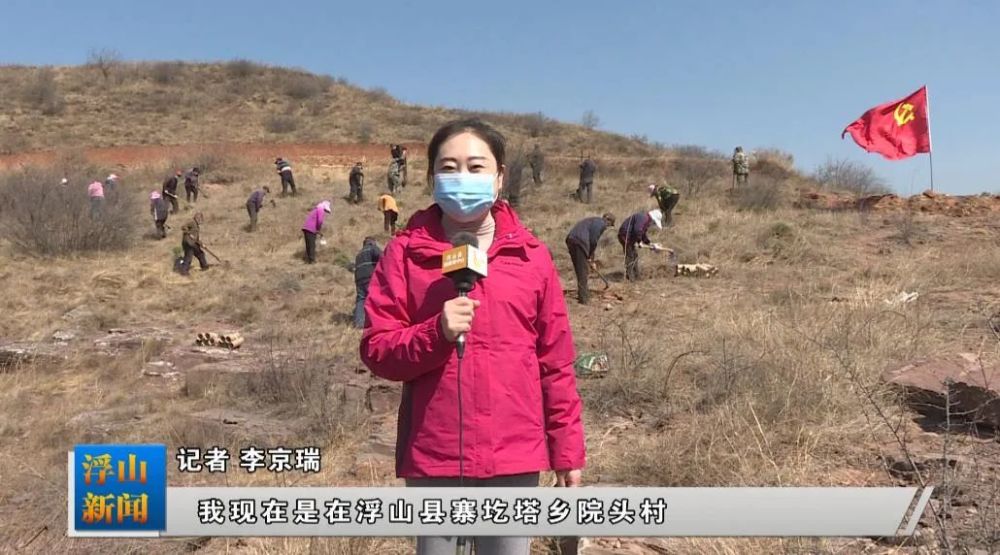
(118, 488)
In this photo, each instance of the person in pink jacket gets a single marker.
(314, 226)
(96, 193)
(521, 412)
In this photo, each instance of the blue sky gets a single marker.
(789, 75)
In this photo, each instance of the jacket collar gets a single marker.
(427, 238)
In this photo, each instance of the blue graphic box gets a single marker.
(120, 487)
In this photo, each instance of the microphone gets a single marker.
(464, 264)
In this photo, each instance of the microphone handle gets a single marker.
(460, 342)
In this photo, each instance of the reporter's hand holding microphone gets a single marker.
(569, 478)
(456, 317)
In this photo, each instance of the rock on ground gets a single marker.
(960, 383)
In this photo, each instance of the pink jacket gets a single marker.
(95, 189)
(521, 407)
(314, 221)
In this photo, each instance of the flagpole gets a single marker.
(930, 141)
(930, 156)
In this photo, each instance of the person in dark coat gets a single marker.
(402, 166)
(364, 267)
(357, 182)
(254, 203)
(582, 244)
(160, 210)
(584, 192)
(285, 172)
(191, 187)
(169, 191)
(111, 186)
(634, 232)
(537, 162)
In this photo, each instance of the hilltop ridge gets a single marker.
(175, 103)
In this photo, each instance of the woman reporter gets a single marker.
(520, 407)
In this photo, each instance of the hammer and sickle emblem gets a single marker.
(903, 113)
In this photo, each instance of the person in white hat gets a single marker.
(313, 226)
(633, 233)
(110, 185)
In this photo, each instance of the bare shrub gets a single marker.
(640, 138)
(105, 60)
(165, 101)
(408, 117)
(908, 230)
(850, 176)
(302, 86)
(366, 131)
(590, 120)
(305, 385)
(165, 73)
(316, 107)
(695, 151)
(214, 164)
(630, 387)
(760, 195)
(776, 238)
(42, 92)
(40, 217)
(242, 69)
(12, 141)
(74, 164)
(281, 124)
(775, 155)
(773, 163)
(693, 175)
(380, 95)
(537, 124)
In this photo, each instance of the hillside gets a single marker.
(769, 373)
(172, 103)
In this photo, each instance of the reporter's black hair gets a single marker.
(479, 128)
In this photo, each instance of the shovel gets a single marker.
(222, 262)
(600, 275)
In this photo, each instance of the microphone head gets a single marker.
(464, 278)
(463, 238)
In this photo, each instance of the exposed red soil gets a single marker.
(138, 155)
(929, 202)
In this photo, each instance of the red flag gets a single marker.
(897, 129)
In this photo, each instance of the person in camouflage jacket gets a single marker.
(394, 177)
(666, 198)
(191, 243)
(741, 167)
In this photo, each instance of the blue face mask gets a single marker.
(464, 197)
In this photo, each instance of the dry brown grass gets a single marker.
(41, 217)
(234, 102)
(755, 377)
